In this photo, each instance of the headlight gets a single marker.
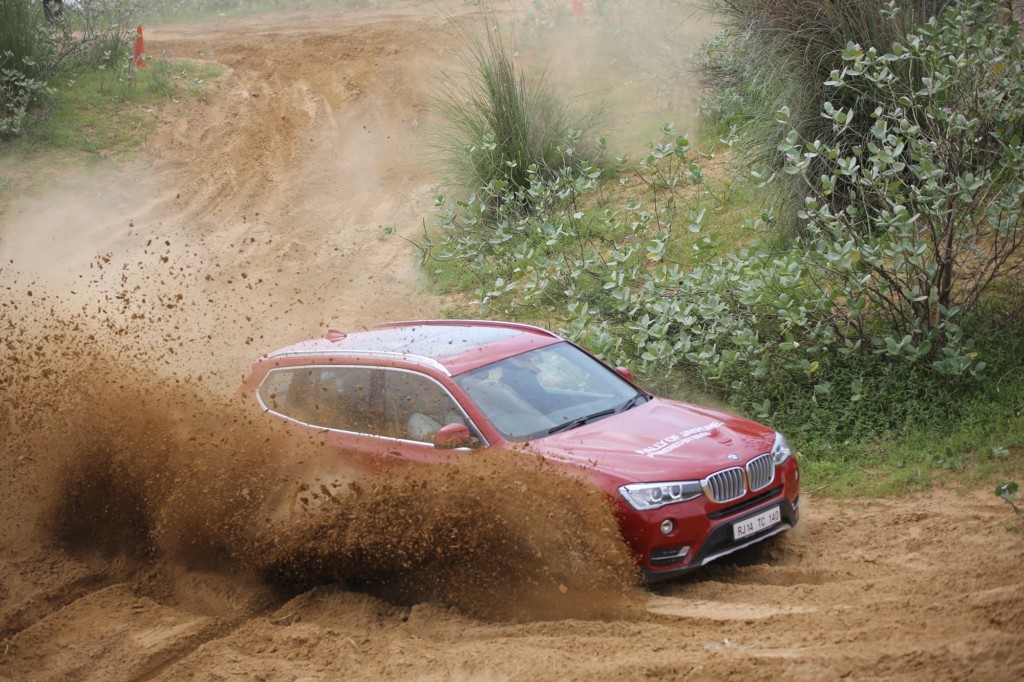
(781, 450)
(648, 496)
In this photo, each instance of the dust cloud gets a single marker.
(499, 535)
(108, 458)
(631, 60)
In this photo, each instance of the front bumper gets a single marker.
(720, 542)
(703, 530)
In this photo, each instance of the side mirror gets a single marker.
(625, 374)
(451, 436)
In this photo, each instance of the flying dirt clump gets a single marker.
(109, 457)
(499, 535)
(149, 469)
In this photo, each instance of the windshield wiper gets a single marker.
(639, 399)
(580, 421)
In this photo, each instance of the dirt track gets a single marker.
(256, 217)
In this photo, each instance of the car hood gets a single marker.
(660, 440)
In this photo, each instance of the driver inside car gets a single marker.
(433, 410)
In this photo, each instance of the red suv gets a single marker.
(688, 484)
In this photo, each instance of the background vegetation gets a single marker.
(871, 309)
(506, 130)
(838, 253)
(71, 82)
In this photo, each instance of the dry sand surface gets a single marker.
(135, 542)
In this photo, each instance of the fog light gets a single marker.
(667, 527)
(666, 556)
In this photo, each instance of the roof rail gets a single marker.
(393, 355)
(475, 323)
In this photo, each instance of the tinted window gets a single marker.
(330, 397)
(381, 402)
(419, 404)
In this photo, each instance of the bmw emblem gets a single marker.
(734, 458)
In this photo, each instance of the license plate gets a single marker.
(756, 524)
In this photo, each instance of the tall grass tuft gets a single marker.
(505, 126)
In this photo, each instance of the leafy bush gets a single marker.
(24, 57)
(17, 92)
(88, 34)
(105, 32)
(932, 212)
(776, 53)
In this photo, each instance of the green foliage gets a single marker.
(23, 43)
(25, 55)
(557, 251)
(100, 33)
(98, 114)
(507, 129)
(17, 92)
(736, 325)
(930, 213)
(764, 325)
(87, 35)
(776, 53)
(1008, 492)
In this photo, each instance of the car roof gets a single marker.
(453, 346)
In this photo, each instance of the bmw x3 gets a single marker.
(688, 484)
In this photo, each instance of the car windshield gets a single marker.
(547, 390)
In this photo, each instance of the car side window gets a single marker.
(340, 398)
(381, 402)
(273, 390)
(419, 405)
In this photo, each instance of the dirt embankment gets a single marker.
(134, 538)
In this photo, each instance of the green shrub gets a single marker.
(844, 331)
(25, 57)
(931, 214)
(88, 34)
(776, 53)
(17, 92)
(105, 31)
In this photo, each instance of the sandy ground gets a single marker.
(266, 211)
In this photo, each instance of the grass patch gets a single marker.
(99, 114)
(222, 9)
(975, 438)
